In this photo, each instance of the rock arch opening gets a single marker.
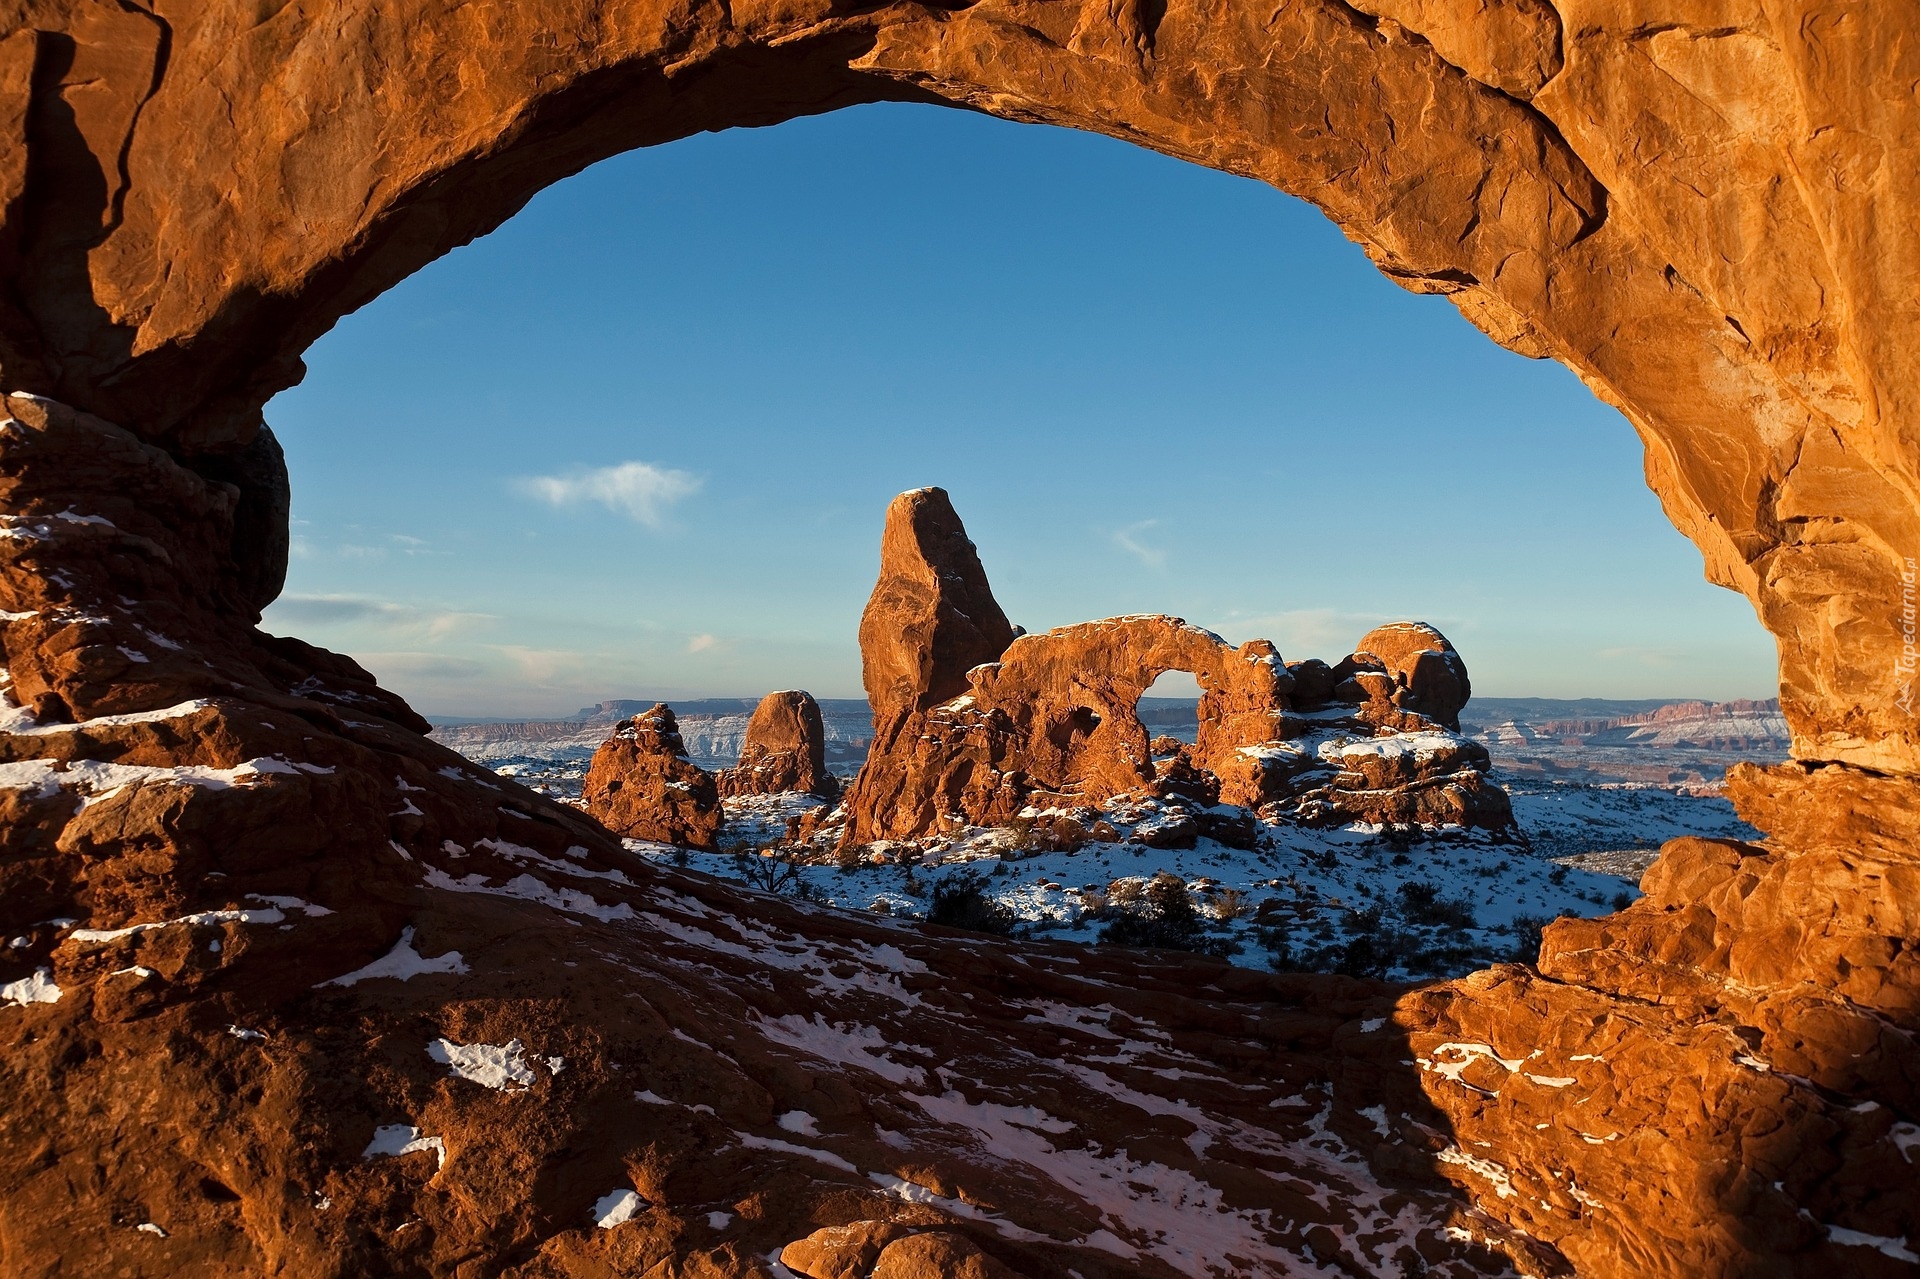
(191, 199)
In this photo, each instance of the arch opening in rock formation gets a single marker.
(1709, 219)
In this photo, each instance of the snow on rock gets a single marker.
(617, 1207)
(1893, 1247)
(403, 1139)
(36, 988)
(827, 1157)
(95, 781)
(403, 962)
(799, 1121)
(849, 1045)
(501, 1067)
(527, 888)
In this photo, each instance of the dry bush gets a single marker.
(1229, 904)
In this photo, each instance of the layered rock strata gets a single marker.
(641, 785)
(785, 750)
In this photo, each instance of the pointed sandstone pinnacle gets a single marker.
(641, 785)
(931, 619)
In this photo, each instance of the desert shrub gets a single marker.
(1421, 903)
(1164, 918)
(1622, 899)
(847, 858)
(773, 871)
(1558, 875)
(1229, 904)
(1275, 940)
(960, 901)
(1526, 936)
(1127, 891)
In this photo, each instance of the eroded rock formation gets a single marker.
(1051, 721)
(641, 785)
(1706, 211)
(785, 750)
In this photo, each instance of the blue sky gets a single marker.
(639, 441)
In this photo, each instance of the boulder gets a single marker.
(940, 1254)
(785, 750)
(641, 785)
(842, 1252)
(1427, 675)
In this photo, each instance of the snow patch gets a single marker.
(1895, 1248)
(403, 962)
(403, 1139)
(527, 888)
(827, 1157)
(617, 1207)
(501, 1067)
(36, 988)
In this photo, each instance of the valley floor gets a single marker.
(1357, 900)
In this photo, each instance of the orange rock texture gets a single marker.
(1051, 722)
(1705, 212)
(641, 784)
(785, 750)
(289, 989)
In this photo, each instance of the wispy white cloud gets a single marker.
(338, 610)
(702, 642)
(1128, 539)
(306, 548)
(424, 667)
(1326, 633)
(641, 491)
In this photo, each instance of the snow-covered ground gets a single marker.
(1627, 819)
(1356, 900)
(1301, 899)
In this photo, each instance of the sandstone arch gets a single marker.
(1707, 211)
(192, 199)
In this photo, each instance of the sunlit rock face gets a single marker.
(1707, 216)
(1707, 213)
(1050, 724)
(785, 750)
(641, 785)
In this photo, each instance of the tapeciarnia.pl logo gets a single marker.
(1905, 665)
